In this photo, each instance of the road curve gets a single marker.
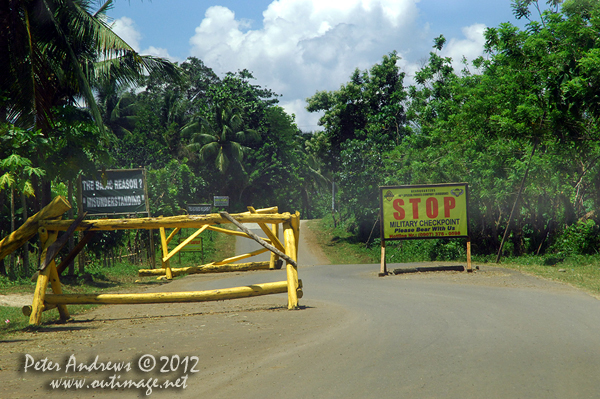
(455, 336)
(494, 333)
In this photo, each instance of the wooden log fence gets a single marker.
(46, 225)
(208, 268)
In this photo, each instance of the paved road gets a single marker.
(491, 334)
(438, 337)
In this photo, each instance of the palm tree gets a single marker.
(54, 52)
(222, 139)
(118, 107)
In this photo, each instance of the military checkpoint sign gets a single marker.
(424, 211)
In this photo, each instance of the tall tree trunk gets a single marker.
(46, 192)
(516, 202)
(71, 216)
(3, 230)
(26, 246)
(11, 263)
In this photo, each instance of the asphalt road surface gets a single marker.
(501, 335)
(494, 333)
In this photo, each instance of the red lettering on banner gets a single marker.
(449, 203)
(398, 206)
(415, 205)
(431, 207)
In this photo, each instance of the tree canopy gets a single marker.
(75, 97)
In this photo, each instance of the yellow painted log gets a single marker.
(165, 250)
(37, 306)
(292, 271)
(39, 294)
(184, 243)
(171, 297)
(273, 209)
(27, 310)
(295, 221)
(175, 231)
(56, 288)
(240, 257)
(17, 238)
(232, 232)
(208, 268)
(182, 221)
(257, 238)
(227, 231)
(274, 256)
(274, 240)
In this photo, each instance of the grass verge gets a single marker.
(581, 271)
(121, 277)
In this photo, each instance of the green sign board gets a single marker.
(221, 200)
(424, 211)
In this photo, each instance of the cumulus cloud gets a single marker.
(159, 52)
(126, 29)
(308, 45)
(470, 47)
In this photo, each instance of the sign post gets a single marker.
(422, 212)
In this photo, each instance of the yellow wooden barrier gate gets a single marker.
(48, 230)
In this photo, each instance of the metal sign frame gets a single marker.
(128, 195)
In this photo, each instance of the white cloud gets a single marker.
(307, 122)
(159, 52)
(470, 47)
(127, 30)
(308, 45)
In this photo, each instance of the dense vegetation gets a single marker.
(525, 115)
(520, 125)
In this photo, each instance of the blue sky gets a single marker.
(297, 47)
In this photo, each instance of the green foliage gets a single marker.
(362, 120)
(171, 188)
(581, 238)
(482, 128)
(220, 139)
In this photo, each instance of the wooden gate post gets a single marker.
(292, 271)
(48, 274)
(274, 256)
(165, 251)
